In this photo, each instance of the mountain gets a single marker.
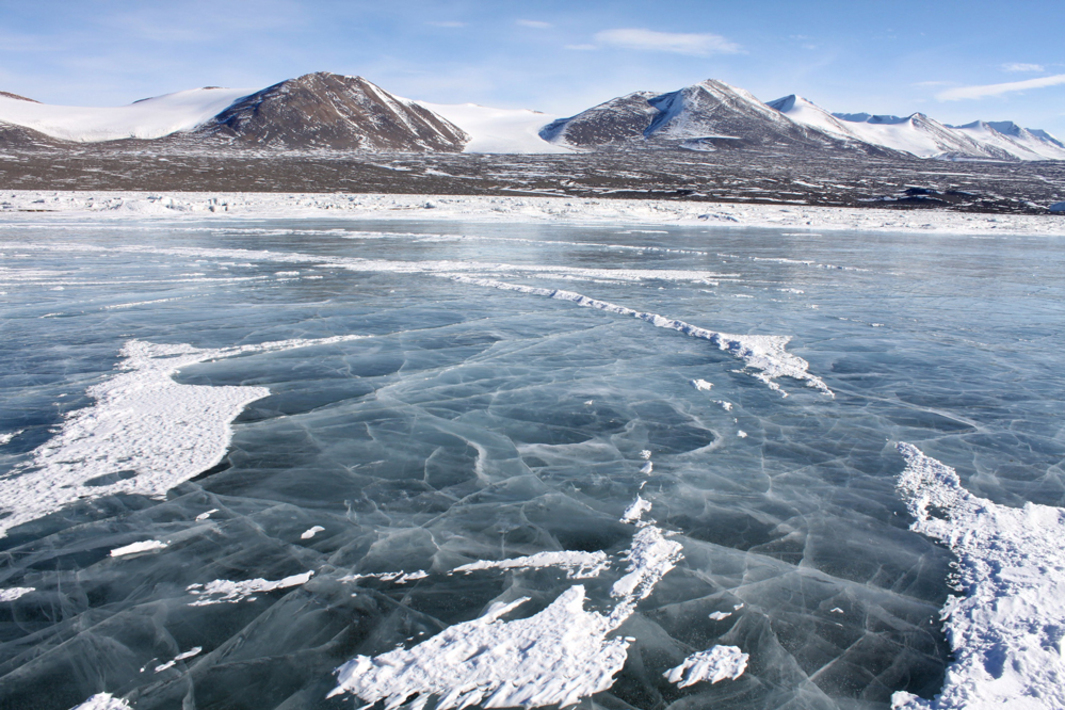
(337, 112)
(1019, 142)
(325, 111)
(705, 115)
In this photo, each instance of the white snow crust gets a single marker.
(311, 532)
(577, 564)
(12, 593)
(498, 130)
(136, 547)
(150, 118)
(713, 665)
(1007, 624)
(475, 208)
(104, 701)
(142, 422)
(224, 591)
(6, 438)
(556, 656)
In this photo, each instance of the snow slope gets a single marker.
(1020, 142)
(498, 130)
(145, 119)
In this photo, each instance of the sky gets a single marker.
(955, 61)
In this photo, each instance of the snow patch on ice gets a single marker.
(1007, 625)
(12, 593)
(224, 591)
(311, 532)
(144, 434)
(397, 577)
(578, 564)
(136, 547)
(557, 656)
(702, 385)
(714, 665)
(764, 353)
(719, 615)
(104, 701)
(635, 512)
(6, 438)
(203, 516)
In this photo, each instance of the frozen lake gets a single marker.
(350, 411)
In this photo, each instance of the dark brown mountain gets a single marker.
(617, 121)
(337, 112)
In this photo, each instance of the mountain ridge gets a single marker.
(325, 111)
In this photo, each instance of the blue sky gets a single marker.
(956, 61)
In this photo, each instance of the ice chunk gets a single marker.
(135, 547)
(1006, 630)
(713, 665)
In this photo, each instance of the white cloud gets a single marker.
(535, 24)
(698, 45)
(1020, 66)
(979, 92)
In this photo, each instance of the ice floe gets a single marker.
(1007, 624)
(713, 665)
(144, 434)
(224, 591)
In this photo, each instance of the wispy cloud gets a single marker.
(1020, 66)
(697, 45)
(581, 47)
(535, 24)
(979, 92)
(447, 23)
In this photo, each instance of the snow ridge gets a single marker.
(1007, 625)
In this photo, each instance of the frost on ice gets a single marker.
(713, 665)
(145, 433)
(224, 591)
(1007, 627)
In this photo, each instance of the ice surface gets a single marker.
(1007, 625)
(714, 665)
(479, 424)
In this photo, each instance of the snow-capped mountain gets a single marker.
(331, 111)
(325, 110)
(925, 137)
(710, 113)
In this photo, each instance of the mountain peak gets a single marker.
(326, 110)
